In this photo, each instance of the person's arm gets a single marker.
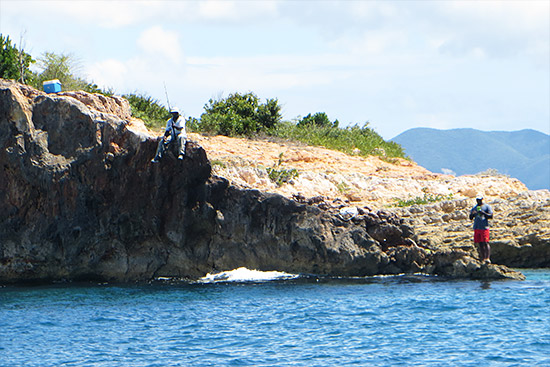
(472, 213)
(488, 213)
(168, 128)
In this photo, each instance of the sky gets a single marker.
(394, 64)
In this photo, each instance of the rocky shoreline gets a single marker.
(81, 201)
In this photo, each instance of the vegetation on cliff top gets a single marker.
(244, 115)
(237, 115)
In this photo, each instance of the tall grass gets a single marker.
(351, 140)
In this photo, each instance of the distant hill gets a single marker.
(523, 154)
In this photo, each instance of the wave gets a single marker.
(246, 275)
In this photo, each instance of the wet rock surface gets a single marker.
(80, 200)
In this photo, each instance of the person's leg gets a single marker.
(484, 251)
(181, 145)
(487, 236)
(163, 145)
(160, 151)
(479, 250)
(487, 252)
(477, 244)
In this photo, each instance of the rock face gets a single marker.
(79, 199)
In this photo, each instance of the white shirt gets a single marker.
(179, 124)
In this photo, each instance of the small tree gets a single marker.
(14, 63)
(65, 68)
(62, 67)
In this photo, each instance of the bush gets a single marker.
(280, 175)
(93, 88)
(148, 109)
(193, 124)
(239, 115)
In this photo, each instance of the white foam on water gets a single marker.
(246, 275)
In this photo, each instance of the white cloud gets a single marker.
(523, 15)
(378, 43)
(109, 74)
(235, 11)
(161, 44)
(217, 9)
(102, 13)
(266, 72)
(501, 29)
(159, 57)
(448, 171)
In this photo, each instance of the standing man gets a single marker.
(175, 132)
(481, 213)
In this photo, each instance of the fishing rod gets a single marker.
(169, 108)
(167, 99)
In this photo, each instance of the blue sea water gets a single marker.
(386, 321)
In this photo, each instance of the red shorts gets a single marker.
(481, 235)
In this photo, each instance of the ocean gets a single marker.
(246, 318)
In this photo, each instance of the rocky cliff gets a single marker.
(79, 199)
(520, 229)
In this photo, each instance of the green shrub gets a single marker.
(148, 109)
(281, 175)
(239, 115)
(93, 88)
(193, 124)
(343, 187)
(422, 200)
(217, 162)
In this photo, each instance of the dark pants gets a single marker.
(164, 145)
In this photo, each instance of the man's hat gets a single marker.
(479, 197)
(175, 110)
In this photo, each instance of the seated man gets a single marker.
(175, 132)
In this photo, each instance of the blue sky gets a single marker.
(397, 65)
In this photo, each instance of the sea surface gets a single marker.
(245, 318)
